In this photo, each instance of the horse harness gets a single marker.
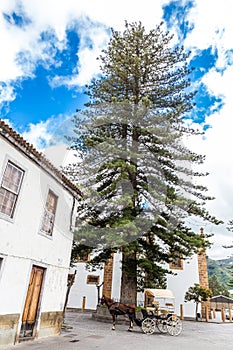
(116, 307)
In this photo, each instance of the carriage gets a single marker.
(159, 313)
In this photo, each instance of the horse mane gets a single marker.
(107, 298)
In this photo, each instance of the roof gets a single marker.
(30, 151)
(221, 299)
(159, 293)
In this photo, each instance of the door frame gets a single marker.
(37, 314)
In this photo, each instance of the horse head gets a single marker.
(102, 300)
(105, 300)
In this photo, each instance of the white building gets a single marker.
(187, 272)
(37, 212)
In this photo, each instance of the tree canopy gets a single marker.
(135, 171)
(217, 287)
(197, 294)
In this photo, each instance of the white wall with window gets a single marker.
(85, 286)
(185, 274)
(37, 211)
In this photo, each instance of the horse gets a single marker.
(116, 309)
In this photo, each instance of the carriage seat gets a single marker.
(146, 313)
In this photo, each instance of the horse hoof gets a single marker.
(129, 330)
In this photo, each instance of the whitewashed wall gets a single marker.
(22, 245)
(180, 283)
(81, 289)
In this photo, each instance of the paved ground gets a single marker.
(87, 334)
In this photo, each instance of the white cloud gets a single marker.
(216, 145)
(213, 27)
(6, 93)
(22, 47)
(48, 133)
(38, 135)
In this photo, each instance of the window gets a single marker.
(176, 263)
(10, 187)
(92, 279)
(49, 214)
(83, 257)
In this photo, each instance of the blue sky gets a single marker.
(48, 54)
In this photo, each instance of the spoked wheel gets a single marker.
(174, 325)
(148, 326)
(162, 324)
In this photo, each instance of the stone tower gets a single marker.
(108, 270)
(203, 275)
(202, 266)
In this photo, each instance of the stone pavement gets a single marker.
(83, 333)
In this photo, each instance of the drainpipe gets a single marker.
(72, 213)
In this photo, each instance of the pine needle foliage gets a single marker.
(135, 172)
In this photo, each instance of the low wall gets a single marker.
(50, 323)
(8, 328)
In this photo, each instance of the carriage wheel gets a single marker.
(162, 324)
(148, 326)
(174, 325)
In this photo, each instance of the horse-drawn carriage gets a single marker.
(158, 312)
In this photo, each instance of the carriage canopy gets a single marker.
(162, 298)
(159, 293)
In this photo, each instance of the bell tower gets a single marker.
(108, 270)
(203, 275)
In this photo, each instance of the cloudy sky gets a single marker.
(48, 54)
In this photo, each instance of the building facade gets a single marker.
(186, 274)
(37, 213)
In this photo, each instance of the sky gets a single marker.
(48, 55)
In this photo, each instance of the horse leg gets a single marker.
(113, 322)
(131, 324)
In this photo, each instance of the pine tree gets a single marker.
(134, 170)
(218, 288)
(197, 294)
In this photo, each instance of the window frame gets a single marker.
(176, 266)
(50, 215)
(2, 263)
(15, 192)
(89, 277)
(83, 258)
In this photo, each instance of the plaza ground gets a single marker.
(81, 332)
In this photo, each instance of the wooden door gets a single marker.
(32, 302)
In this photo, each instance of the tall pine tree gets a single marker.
(135, 172)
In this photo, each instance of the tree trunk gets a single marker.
(71, 279)
(196, 311)
(129, 278)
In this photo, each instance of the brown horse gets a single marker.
(116, 309)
